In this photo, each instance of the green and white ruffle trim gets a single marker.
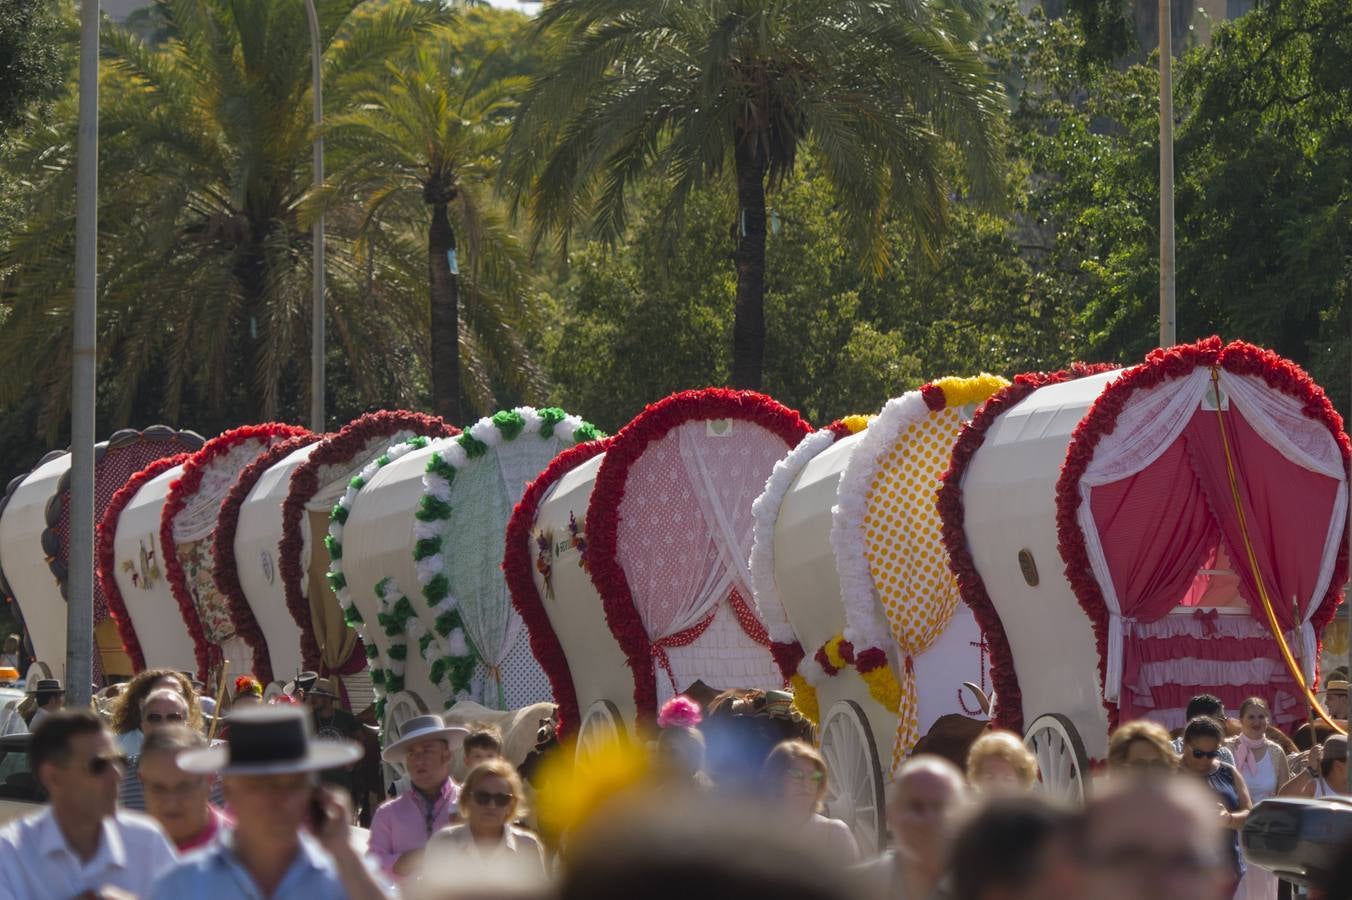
(432, 528)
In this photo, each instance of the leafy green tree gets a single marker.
(839, 341)
(1262, 165)
(422, 141)
(33, 57)
(730, 92)
(204, 282)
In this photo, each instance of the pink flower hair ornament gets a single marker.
(680, 712)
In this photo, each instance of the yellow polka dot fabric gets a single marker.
(905, 552)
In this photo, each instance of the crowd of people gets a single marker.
(155, 793)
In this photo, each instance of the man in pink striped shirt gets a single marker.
(401, 826)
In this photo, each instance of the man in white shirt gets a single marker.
(81, 843)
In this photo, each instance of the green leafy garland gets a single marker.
(432, 529)
(385, 679)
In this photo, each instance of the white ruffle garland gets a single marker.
(765, 513)
(865, 626)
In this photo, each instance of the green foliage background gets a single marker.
(1067, 270)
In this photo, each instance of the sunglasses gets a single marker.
(100, 764)
(799, 775)
(484, 798)
(156, 718)
(1205, 754)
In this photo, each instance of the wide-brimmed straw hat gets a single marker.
(323, 687)
(269, 740)
(422, 728)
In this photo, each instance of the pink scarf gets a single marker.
(1244, 754)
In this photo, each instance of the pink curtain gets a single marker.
(1287, 508)
(1156, 531)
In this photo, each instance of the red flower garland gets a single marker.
(106, 560)
(1161, 365)
(179, 492)
(226, 570)
(517, 566)
(1008, 712)
(626, 447)
(355, 438)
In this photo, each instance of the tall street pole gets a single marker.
(317, 236)
(1168, 336)
(80, 582)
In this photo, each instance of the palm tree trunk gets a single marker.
(444, 291)
(748, 326)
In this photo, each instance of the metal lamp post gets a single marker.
(80, 585)
(317, 230)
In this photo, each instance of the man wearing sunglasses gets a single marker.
(162, 708)
(81, 844)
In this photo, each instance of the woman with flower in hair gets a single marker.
(248, 691)
(679, 749)
(795, 777)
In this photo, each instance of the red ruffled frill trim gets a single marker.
(1239, 358)
(226, 570)
(519, 567)
(351, 441)
(1008, 711)
(106, 559)
(625, 448)
(187, 484)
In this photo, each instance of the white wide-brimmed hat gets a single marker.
(269, 740)
(421, 728)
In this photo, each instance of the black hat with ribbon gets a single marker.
(269, 740)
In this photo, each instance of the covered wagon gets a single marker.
(851, 576)
(636, 552)
(1130, 538)
(272, 561)
(426, 586)
(187, 523)
(35, 543)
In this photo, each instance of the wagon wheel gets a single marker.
(1062, 764)
(601, 725)
(399, 708)
(854, 789)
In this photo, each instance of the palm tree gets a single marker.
(419, 150)
(689, 90)
(204, 273)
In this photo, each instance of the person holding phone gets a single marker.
(291, 839)
(490, 801)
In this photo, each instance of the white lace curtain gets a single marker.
(687, 524)
(487, 494)
(197, 520)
